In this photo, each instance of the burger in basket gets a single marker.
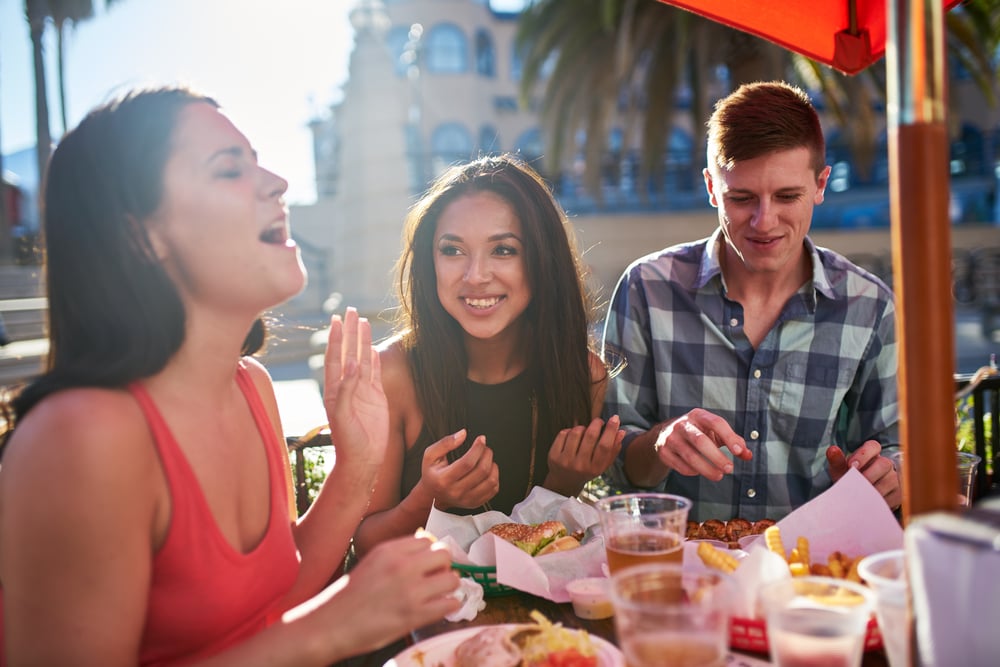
(537, 539)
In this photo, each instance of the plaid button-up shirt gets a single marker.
(824, 374)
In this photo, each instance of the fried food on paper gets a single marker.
(713, 529)
(772, 538)
(717, 558)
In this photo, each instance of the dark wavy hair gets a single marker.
(761, 118)
(558, 337)
(115, 316)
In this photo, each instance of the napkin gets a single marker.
(544, 576)
(471, 595)
(953, 561)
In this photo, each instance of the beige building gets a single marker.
(432, 82)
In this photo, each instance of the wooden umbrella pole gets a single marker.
(921, 248)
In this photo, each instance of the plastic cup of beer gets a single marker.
(665, 615)
(641, 528)
(816, 621)
(967, 464)
(885, 573)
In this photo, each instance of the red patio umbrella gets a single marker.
(851, 35)
(848, 35)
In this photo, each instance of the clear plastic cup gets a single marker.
(885, 574)
(666, 615)
(816, 621)
(640, 528)
(967, 465)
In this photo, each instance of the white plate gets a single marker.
(439, 651)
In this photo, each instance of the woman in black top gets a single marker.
(492, 384)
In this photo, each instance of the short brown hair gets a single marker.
(761, 118)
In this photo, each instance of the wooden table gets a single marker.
(516, 608)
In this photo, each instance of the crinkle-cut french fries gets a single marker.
(838, 565)
(772, 538)
(716, 558)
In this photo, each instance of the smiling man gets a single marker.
(759, 366)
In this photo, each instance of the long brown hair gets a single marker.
(115, 316)
(557, 318)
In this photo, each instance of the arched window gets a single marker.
(446, 51)
(678, 162)
(485, 54)
(489, 140)
(451, 143)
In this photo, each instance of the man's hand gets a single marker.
(877, 469)
(690, 445)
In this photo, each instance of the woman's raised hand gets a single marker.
(352, 393)
(580, 454)
(469, 481)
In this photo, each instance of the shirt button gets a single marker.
(756, 374)
(754, 434)
(733, 322)
(751, 493)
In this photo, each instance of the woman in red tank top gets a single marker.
(144, 494)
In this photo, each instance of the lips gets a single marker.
(483, 302)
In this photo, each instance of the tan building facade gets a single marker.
(420, 98)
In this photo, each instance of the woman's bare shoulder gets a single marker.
(81, 431)
(598, 369)
(395, 365)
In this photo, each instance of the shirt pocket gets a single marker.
(806, 403)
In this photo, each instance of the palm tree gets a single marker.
(36, 12)
(6, 240)
(622, 60)
(65, 13)
(62, 13)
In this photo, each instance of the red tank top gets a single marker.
(204, 595)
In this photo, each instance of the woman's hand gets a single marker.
(580, 454)
(469, 481)
(355, 402)
(402, 584)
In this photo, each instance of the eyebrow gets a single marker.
(231, 151)
(496, 237)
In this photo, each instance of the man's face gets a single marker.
(765, 209)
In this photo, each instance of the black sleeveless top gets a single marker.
(501, 412)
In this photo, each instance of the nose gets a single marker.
(766, 216)
(272, 185)
(478, 269)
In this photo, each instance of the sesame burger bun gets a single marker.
(530, 538)
(564, 543)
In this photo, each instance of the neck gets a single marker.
(495, 361)
(743, 285)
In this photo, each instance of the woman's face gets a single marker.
(479, 262)
(222, 227)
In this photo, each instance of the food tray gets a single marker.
(485, 576)
(747, 634)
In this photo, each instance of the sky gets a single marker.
(273, 66)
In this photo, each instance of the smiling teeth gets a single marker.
(483, 303)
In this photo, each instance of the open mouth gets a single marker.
(484, 303)
(276, 234)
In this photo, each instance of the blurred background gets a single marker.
(360, 103)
